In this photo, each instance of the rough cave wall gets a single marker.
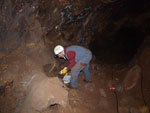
(17, 21)
(94, 24)
(108, 27)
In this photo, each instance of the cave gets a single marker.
(115, 31)
(121, 50)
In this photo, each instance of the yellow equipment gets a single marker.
(64, 71)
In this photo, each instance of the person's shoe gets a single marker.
(70, 87)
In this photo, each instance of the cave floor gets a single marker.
(87, 98)
(17, 71)
(96, 97)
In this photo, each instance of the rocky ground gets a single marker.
(24, 78)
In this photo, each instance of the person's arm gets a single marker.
(71, 59)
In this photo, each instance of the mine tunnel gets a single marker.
(117, 32)
(121, 50)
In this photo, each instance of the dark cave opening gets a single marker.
(119, 48)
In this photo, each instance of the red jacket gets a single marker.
(77, 54)
(71, 59)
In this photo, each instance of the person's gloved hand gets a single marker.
(64, 71)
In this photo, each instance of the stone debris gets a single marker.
(90, 86)
(102, 92)
(134, 110)
(122, 109)
(103, 103)
(73, 93)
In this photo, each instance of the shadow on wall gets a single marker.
(122, 47)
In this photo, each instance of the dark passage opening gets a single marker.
(53, 106)
(119, 48)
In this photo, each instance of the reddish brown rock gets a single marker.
(45, 92)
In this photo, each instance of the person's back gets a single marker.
(80, 52)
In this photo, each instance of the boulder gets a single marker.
(44, 93)
(132, 78)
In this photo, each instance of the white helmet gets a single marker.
(58, 49)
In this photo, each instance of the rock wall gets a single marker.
(98, 25)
